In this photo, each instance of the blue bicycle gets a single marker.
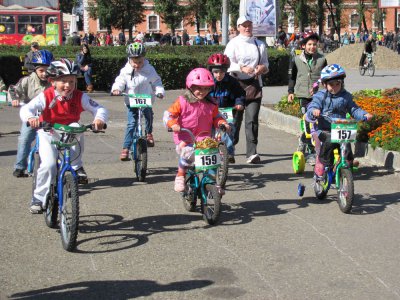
(63, 198)
(200, 182)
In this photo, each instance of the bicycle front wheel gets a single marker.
(140, 161)
(211, 206)
(362, 70)
(189, 197)
(222, 171)
(69, 219)
(371, 70)
(346, 190)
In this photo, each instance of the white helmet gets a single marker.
(62, 67)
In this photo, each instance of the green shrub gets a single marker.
(172, 63)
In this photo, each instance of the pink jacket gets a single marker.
(199, 117)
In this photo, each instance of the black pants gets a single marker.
(325, 150)
(251, 112)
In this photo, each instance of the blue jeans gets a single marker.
(228, 139)
(25, 140)
(131, 126)
(88, 75)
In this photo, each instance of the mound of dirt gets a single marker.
(349, 57)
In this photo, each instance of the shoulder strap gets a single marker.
(259, 54)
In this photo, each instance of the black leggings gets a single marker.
(325, 148)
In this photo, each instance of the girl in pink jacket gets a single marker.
(197, 112)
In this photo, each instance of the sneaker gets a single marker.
(19, 173)
(36, 207)
(124, 156)
(81, 173)
(254, 159)
(179, 184)
(231, 159)
(311, 159)
(150, 140)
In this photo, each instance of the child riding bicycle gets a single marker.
(228, 94)
(305, 71)
(24, 91)
(137, 77)
(63, 104)
(196, 111)
(336, 102)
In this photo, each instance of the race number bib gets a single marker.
(139, 100)
(227, 113)
(206, 159)
(3, 97)
(343, 133)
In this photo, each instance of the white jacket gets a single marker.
(242, 51)
(144, 81)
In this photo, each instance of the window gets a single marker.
(152, 23)
(7, 24)
(354, 20)
(203, 25)
(180, 26)
(100, 26)
(30, 24)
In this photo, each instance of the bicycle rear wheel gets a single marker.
(211, 206)
(346, 190)
(69, 219)
(371, 69)
(189, 197)
(320, 188)
(298, 162)
(222, 171)
(140, 161)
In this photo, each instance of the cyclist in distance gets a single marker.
(138, 76)
(369, 47)
(228, 94)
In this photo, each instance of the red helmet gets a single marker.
(307, 35)
(218, 60)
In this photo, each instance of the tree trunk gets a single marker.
(321, 17)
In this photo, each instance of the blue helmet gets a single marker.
(42, 58)
(332, 72)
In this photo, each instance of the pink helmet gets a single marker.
(199, 77)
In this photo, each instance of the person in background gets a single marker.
(24, 91)
(185, 38)
(84, 62)
(215, 38)
(28, 57)
(3, 86)
(249, 61)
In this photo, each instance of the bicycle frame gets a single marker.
(138, 133)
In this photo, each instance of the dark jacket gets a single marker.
(83, 60)
(228, 92)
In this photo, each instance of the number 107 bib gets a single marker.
(139, 100)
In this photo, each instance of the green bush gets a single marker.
(172, 63)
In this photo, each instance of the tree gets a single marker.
(171, 12)
(335, 11)
(379, 14)
(67, 6)
(196, 11)
(213, 12)
(120, 14)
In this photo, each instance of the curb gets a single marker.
(290, 124)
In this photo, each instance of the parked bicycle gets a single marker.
(343, 131)
(200, 182)
(63, 198)
(368, 66)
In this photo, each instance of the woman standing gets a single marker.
(249, 60)
(84, 61)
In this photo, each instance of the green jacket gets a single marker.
(307, 73)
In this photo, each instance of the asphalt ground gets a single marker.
(137, 241)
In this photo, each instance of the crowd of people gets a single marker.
(232, 80)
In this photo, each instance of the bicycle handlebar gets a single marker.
(47, 126)
(159, 95)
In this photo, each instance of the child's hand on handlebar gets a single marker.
(239, 107)
(15, 103)
(34, 122)
(116, 92)
(290, 98)
(368, 117)
(98, 124)
(176, 128)
(159, 95)
(316, 113)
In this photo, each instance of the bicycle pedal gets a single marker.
(83, 181)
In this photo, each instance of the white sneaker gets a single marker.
(254, 159)
(36, 207)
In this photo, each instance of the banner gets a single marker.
(263, 15)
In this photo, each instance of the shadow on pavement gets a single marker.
(371, 204)
(113, 289)
(8, 153)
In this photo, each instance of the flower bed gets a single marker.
(383, 130)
